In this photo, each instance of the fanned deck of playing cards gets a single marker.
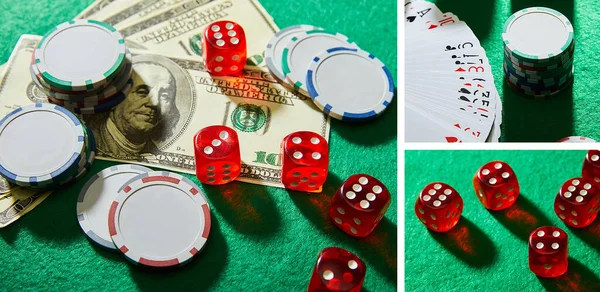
(450, 94)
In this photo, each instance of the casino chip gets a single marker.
(576, 139)
(80, 55)
(275, 47)
(350, 84)
(173, 212)
(303, 48)
(26, 136)
(538, 51)
(96, 197)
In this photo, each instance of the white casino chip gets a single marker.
(576, 139)
(80, 55)
(350, 84)
(39, 144)
(97, 195)
(302, 49)
(277, 44)
(159, 219)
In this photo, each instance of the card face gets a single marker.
(450, 92)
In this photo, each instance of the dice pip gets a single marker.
(439, 206)
(224, 48)
(337, 270)
(496, 185)
(548, 254)
(305, 161)
(577, 202)
(217, 155)
(359, 204)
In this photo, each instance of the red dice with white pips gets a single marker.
(577, 202)
(305, 161)
(548, 252)
(337, 270)
(224, 48)
(439, 206)
(496, 185)
(359, 205)
(217, 155)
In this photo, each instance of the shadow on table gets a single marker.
(544, 120)
(521, 218)
(468, 243)
(479, 15)
(379, 249)
(199, 274)
(578, 278)
(375, 132)
(248, 208)
(563, 6)
(590, 235)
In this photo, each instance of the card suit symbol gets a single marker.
(453, 140)
(460, 69)
(432, 26)
(482, 109)
(450, 48)
(468, 84)
(480, 86)
(458, 126)
(465, 91)
(410, 19)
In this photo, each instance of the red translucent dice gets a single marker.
(439, 206)
(359, 204)
(591, 166)
(337, 270)
(548, 255)
(577, 202)
(224, 48)
(496, 185)
(217, 155)
(305, 161)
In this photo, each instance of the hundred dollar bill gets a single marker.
(171, 100)
(99, 5)
(18, 202)
(177, 30)
(132, 12)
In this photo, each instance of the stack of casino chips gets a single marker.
(83, 66)
(44, 146)
(538, 51)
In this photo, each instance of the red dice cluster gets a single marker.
(224, 48)
(439, 207)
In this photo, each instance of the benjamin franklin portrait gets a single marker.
(152, 116)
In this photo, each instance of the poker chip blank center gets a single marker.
(24, 143)
(352, 80)
(80, 52)
(537, 33)
(160, 221)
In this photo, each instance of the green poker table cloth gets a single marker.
(572, 112)
(488, 250)
(262, 238)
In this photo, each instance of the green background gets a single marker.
(487, 250)
(262, 238)
(572, 112)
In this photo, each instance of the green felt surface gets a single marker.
(487, 250)
(574, 111)
(262, 238)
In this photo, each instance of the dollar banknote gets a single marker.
(171, 100)
(122, 15)
(18, 201)
(177, 30)
(99, 5)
